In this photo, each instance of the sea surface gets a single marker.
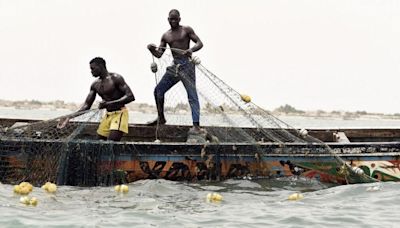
(245, 203)
(141, 118)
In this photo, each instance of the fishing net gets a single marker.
(233, 129)
(239, 119)
(38, 152)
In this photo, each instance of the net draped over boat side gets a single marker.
(221, 105)
(38, 152)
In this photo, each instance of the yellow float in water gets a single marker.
(296, 196)
(23, 188)
(33, 201)
(17, 189)
(46, 185)
(24, 200)
(50, 187)
(124, 188)
(245, 98)
(214, 197)
(26, 185)
(121, 188)
(28, 201)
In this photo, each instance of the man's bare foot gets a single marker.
(156, 121)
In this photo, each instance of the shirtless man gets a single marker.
(115, 93)
(178, 38)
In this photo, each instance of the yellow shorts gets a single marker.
(117, 120)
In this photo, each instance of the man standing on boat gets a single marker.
(178, 38)
(115, 93)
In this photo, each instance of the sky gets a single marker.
(311, 54)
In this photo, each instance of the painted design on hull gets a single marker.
(191, 170)
(91, 166)
(380, 170)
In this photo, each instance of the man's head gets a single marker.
(174, 18)
(97, 66)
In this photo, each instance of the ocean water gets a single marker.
(141, 118)
(246, 203)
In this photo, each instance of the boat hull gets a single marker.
(93, 162)
(82, 160)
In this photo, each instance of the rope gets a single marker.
(154, 70)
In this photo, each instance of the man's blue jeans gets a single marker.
(182, 70)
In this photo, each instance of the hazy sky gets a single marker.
(311, 54)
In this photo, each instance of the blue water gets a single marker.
(246, 203)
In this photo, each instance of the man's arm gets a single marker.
(158, 51)
(128, 95)
(198, 44)
(86, 106)
(89, 100)
(193, 36)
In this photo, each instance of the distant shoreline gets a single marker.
(285, 110)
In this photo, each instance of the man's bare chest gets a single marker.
(106, 87)
(177, 36)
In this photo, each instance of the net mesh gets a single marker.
(223, 106)
(39, 152)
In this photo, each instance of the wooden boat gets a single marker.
(86, 161)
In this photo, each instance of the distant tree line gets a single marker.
(288, 109)
(207, 108)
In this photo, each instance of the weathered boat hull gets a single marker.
(89, 162)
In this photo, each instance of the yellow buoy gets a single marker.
(23, 188)
(24, 200)
(121, 188)
(28, 201)
(17, 189)
(26, 185)
(124, 188)
(50, 187)
(296, 196)
(245, 98)
(214, 197)
(217, 197)
(46, 185)
(33, 201)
